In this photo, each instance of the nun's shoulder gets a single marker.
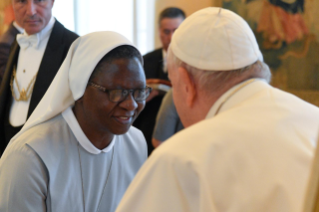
(136, 135)
(45, 135)
(134, 139)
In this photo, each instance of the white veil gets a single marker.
(71, 80)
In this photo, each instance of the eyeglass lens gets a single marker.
(120, 95)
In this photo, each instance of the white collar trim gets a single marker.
(234, 98)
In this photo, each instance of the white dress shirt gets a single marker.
(164, 61)
(29, 60)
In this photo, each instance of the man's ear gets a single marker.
(187, 82)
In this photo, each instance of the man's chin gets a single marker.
(30, 30)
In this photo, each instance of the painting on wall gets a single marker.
(288, 35)
(6, 15)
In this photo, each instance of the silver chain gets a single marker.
(107, 178)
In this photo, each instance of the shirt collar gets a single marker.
(164, 53)
(20, 29)
(235, 95)
(46, 31)
(71, 120)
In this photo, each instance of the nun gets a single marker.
(78, 151)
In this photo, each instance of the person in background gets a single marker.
(78, 151)
(6, 40)
(246, 146)
(167, 121)
(35, 58)
(155, 68)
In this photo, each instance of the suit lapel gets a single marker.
(50, 64)
(5, 84)
(13, 31)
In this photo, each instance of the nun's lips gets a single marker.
(124, 119)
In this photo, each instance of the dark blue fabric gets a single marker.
(296, 7)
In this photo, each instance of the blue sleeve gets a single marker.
(167, 120)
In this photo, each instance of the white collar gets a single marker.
(229, 99)
(46, 31)
(19, 28)
(69, 117)
(164, 54)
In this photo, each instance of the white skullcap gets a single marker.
(72, 78)
(215, 39)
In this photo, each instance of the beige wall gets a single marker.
(188, 6)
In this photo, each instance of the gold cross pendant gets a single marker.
(23, 95)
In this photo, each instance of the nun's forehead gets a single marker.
(87, 55)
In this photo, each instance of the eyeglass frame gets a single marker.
(129, 91)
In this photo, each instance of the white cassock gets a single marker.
(253, 156)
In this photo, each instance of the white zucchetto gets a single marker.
(215, 39)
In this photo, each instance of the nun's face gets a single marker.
(103, 115)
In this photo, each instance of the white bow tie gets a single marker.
(25, 41)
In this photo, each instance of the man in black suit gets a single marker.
(6, 41)
(35, 57)
(155, 68)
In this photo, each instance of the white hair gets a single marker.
(208, 80)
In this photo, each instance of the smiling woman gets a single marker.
(78, 146)
(101, 115)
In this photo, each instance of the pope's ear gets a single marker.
(189, 86)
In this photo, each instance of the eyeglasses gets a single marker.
(118, 95)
